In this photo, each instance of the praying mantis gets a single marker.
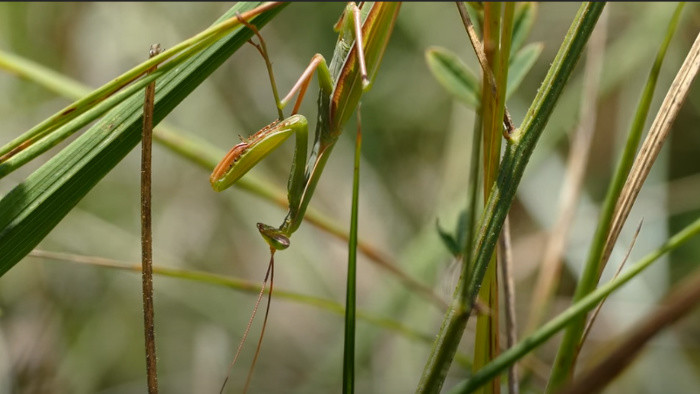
(342, 83)
(364, 33)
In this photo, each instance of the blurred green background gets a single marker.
(70, 328)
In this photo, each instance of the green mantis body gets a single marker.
(342, 83)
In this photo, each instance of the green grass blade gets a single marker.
(187, 47)
(61, 133)
(575, 311)
(502, 193)
(241, 285)
(351, 296)
(35, 206)
(566, 355)
(449, 70)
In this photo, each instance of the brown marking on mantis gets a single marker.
(227, 162)
(345, 80)
(235, 153)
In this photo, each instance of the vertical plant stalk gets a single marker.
(351, 292)
(518, 151)
(487, 341)
(146, 231)
(550, 269)
(611, 220)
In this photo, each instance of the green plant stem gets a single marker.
(351, 296)
(518, 151)
(576, 310)
(496, 48)
(566, 355)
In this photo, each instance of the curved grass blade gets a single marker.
(241, 285)
(187, 47)
(34, 146)
(35, 206)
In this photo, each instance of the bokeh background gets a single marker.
(74, 328)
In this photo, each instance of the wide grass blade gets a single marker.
(35, 206)
(74, 110)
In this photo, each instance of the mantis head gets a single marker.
(273, 236)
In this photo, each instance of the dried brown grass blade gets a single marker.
(658, 132)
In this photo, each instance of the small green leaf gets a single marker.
(456, 241)
(520, 65)
(462, 230)
(525, 15)
(454, 75)
(448, 239)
